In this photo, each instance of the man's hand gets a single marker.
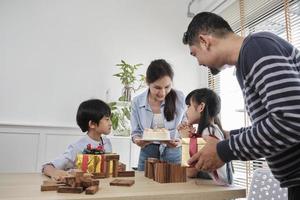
(227, 134)
(138, 141)
(207, 158)
(185, 129)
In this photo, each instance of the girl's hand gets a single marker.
(185, 129)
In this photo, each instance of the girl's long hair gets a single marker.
(211, 110)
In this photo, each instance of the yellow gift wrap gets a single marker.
(185, 155)
(93, 163)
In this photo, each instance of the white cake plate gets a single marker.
(153, 140)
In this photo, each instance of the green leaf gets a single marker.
(114, 121)
(126, 112)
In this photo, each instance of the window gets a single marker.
(277, 16)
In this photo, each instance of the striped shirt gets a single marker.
(268, 74)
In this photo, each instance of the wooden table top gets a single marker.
(14, 186)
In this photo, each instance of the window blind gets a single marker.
(249, 16)
(214, 82)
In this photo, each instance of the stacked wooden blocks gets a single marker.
(163, 172)
(77, 182)
(109, 159)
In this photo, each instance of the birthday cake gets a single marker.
(156, 134)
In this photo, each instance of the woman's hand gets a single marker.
(185, 129)
(172, 143)
(141, 143)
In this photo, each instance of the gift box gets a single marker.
(93, 163)
(190, 146)
(94, 160)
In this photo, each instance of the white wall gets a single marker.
(56, 53)
(27, 148)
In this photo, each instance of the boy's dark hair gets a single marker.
(91, 110)
(156, 70)
(206, 23)
(212, 107)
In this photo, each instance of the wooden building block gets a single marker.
(150, 170)
(115, 168)
(112, 157)
(121, 182)
(97, 175)
(49, 187)
(86, 183)
(126, 174)
(146, 168)
(68, 189)
(177, 173)
(162, 172)
(51, 182)
(78, 177)
(70, 181)
(92, 189)
(107, 163)
(95, 182)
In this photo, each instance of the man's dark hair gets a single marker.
(206, 23)
(91, 110)
(157, 70)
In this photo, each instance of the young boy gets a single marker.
(93, 117)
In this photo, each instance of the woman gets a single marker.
(159, 106)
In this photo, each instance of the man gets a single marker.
(267, 69)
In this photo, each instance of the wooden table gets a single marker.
(27, 186)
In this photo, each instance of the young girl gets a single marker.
(204, 105)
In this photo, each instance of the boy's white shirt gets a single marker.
(67, 160)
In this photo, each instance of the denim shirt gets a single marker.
(142, 115)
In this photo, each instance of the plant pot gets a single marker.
(126, 93)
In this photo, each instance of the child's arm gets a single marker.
(185, 129)
(54, 173)
(56, 169)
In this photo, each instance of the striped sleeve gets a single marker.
(272, 94)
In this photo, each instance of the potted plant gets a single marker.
(128, 79)
(121, 109)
